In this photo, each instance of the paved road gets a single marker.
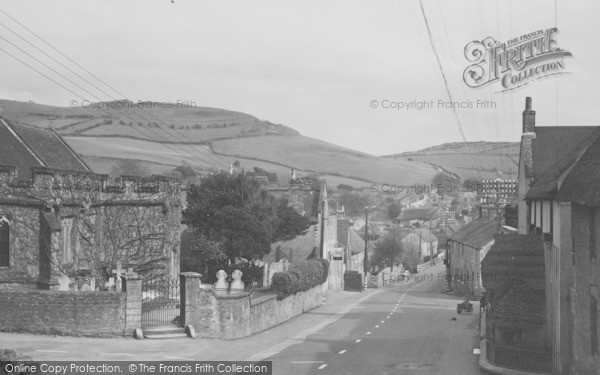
(408, 329)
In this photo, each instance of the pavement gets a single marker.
(408, 328)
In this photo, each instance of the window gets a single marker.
(594, 324)
(592, 231)
(4, 241)
(67, 240)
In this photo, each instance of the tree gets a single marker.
(472, 184)
(393, 210)
(185, 172)
(446, 184)
(511, 215)
(384, 248)
(291, 223)
(344, 187)
(235, 211)
(354, 202)
(130, 167)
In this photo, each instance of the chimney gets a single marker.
(528, 117)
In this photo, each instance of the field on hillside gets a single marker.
(491, 159)
(151, 121)
(311, 154)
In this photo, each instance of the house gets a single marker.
(319, 241)
(467, 248)
(58, 219)
(413, 216)
(515, 329)
(564, 207)
(354, 245)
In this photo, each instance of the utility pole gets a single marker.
(366, 258)
(393, 248)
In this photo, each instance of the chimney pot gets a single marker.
(528, 117)
(528, 103)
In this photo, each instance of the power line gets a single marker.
(80, 97)
(460, 128)
(218, 159)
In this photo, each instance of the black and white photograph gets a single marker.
(300, 187)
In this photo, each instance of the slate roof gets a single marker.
(426, 235)
(582, 184)
(514, 275)
(25, 147)
(419, 214)
(553, 143)
(476, 234)
(300, 247)
(343, 227)
(357, 244)
(514, 256)
(546, 185)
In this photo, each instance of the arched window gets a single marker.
(4, 241)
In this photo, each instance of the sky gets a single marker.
(325, 68)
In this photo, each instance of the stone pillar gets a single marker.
(133, 304)
(189, 286)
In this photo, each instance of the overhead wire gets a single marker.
(216, 158)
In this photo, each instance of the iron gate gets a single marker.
(160, 301)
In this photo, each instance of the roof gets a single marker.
(343, 227)
(299, 248)
(426, 235)
(553, 143)
(546, 185)
(26, 147)
(514, 256)
(582, 184)
(518, 305)
(419, 214)
(476, 234)
(357, 244)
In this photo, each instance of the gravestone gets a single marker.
(63, 283)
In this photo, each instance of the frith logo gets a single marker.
(516, 62)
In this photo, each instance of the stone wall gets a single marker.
(237, 315)
(52, 312)
(586, 286)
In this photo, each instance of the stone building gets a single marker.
(58, 219)
(467, 248)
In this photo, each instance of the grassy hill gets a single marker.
(488, 160)
(161, 136)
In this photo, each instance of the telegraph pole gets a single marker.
(393, 248)
(366, 257)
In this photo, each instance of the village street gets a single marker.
(403, 329)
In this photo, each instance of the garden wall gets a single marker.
(70, 313)
(236, 315)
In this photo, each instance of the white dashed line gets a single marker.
(50, 351)
(387, 317)
(304, 362)
(376, 326)
(342, 351)
(123, 354)
(368, 333)
(322, 366)
(383, 321)
(357, 341)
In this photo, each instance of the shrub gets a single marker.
(301, 277)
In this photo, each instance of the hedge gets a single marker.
(300, 277)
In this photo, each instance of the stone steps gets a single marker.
(168, 332)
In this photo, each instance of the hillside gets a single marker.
(488, 160)
(163, 137)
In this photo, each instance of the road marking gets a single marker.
(391, 313)
(357, 341)
(322, 366)
(383, 321)
(377, 326)
(387, 317)
(304, 362)
(124, 354)
(184, 359)
(342, 351)
(50, 351)
(301, 336)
